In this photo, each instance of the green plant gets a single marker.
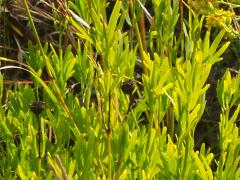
(91, 125)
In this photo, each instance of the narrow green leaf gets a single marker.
(216, 42)
(113, 20)
(220, 52)
(82, 33)
(200, 166)
(97, 21)
(206, 43)
(43, 144)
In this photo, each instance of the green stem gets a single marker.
(224, 121)
(34, 29)
(181, 32)
(138, 36)
(39, 166)
(183, 173)
(143, 31)
(109, 155)
(47, 63)
(39, 147)
(109, 136)
(170, 122)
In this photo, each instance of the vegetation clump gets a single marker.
(120, 89)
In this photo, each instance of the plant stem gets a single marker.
(39, 145)
(185, 158)
(47, 63)
(170, 122)
(143, 31)
(139, 39)
(181, 25)
(109, 136)
(109, 155)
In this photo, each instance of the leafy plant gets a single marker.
(123, 97)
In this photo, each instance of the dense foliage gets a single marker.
(98, 89)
